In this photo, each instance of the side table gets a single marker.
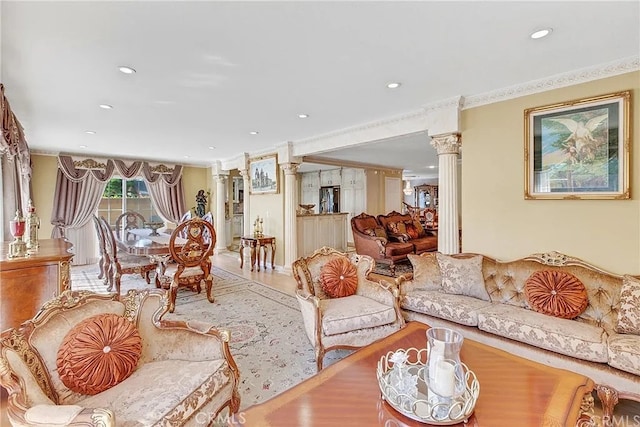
(258, 244)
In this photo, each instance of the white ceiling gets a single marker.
(208, 73)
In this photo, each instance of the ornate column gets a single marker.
(448, 147)
(290, 203)
(220, 223)
(246, 215)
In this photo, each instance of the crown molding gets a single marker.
(583, 75)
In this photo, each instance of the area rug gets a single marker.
(268, 342)
(401, 268)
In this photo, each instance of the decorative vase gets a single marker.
(444, 375)
(17, 248)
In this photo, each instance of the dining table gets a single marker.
(147, 243)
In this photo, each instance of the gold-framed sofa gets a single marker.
(185, 374)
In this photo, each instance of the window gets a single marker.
(136, 198)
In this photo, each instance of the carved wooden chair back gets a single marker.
(184, 218)
(192, 258)
(208, 217)
(128, 221)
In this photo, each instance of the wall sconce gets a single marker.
(408, 190)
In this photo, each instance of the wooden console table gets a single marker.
(27, 283)
(258, 244)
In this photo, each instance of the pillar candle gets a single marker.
(445, 380)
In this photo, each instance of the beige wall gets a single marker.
(270, 207)
(376, 189)
(43, 184)
(195, 179)
(497, 221)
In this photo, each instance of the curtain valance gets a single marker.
(13, 142)
(78, 169)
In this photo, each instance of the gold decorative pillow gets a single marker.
(629, 312)
(375, 232)
(426, 272)
(98, 353)
(556, 293)
(339, 278)
(420, 228)
(463, 276)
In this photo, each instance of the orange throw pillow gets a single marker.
(98, 353)
(339, 278)
(556, 293)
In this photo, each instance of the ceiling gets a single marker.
(209, 73)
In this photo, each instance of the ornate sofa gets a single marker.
(535, 307)
(184, 373)
(390, 238)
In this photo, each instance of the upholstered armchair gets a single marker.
(104, 360)
(340, 307)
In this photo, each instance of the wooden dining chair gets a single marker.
(104, 260)
(120, 263)
(209, 218)
(128, 221)
(192, 259)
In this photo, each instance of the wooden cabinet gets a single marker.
(310, 189)
(27, 283)
(354, 200)
(315, 231)
(331, 177)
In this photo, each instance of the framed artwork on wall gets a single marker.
(578, 149)
(264, 174)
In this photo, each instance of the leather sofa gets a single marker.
(389, 238)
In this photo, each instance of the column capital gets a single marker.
(244, 173)
(448, 143)
(290, 168)
(220, 177)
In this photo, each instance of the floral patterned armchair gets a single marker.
(340, 307)
(184, 372)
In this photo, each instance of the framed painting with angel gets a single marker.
(578, 149)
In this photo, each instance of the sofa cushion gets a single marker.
(564, 336)
(629, 311)
(339, 278)
(556, 293)
(624, 352)
(462, 276)
(425, 244)
(353, 313)
(412, 231)
(394, 249)
(456, 308)
(98, 353)
(187, 387)
(426, 272)
(375, 232)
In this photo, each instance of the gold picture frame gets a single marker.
(579, 149)
(265, 178)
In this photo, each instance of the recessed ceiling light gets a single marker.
(83, 146)
(126, 70)
(254, 132)
(106, 106)
(90, 132)
(211, 147)
(393, 85)
(541, 33)
(303, 116)
(432, 166)
(186, 157)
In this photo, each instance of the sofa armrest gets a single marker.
(310, 309)
(66, 415)
(189, 341)
(384, 292)
(369, 245)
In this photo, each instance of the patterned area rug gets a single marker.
(401, 268)
(268, 342)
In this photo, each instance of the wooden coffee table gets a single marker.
(513, 391)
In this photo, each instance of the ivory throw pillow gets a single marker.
(339, 278)
(556, 293)
(426, 272)
(462, 276)
(629, 312)
(98, 353)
